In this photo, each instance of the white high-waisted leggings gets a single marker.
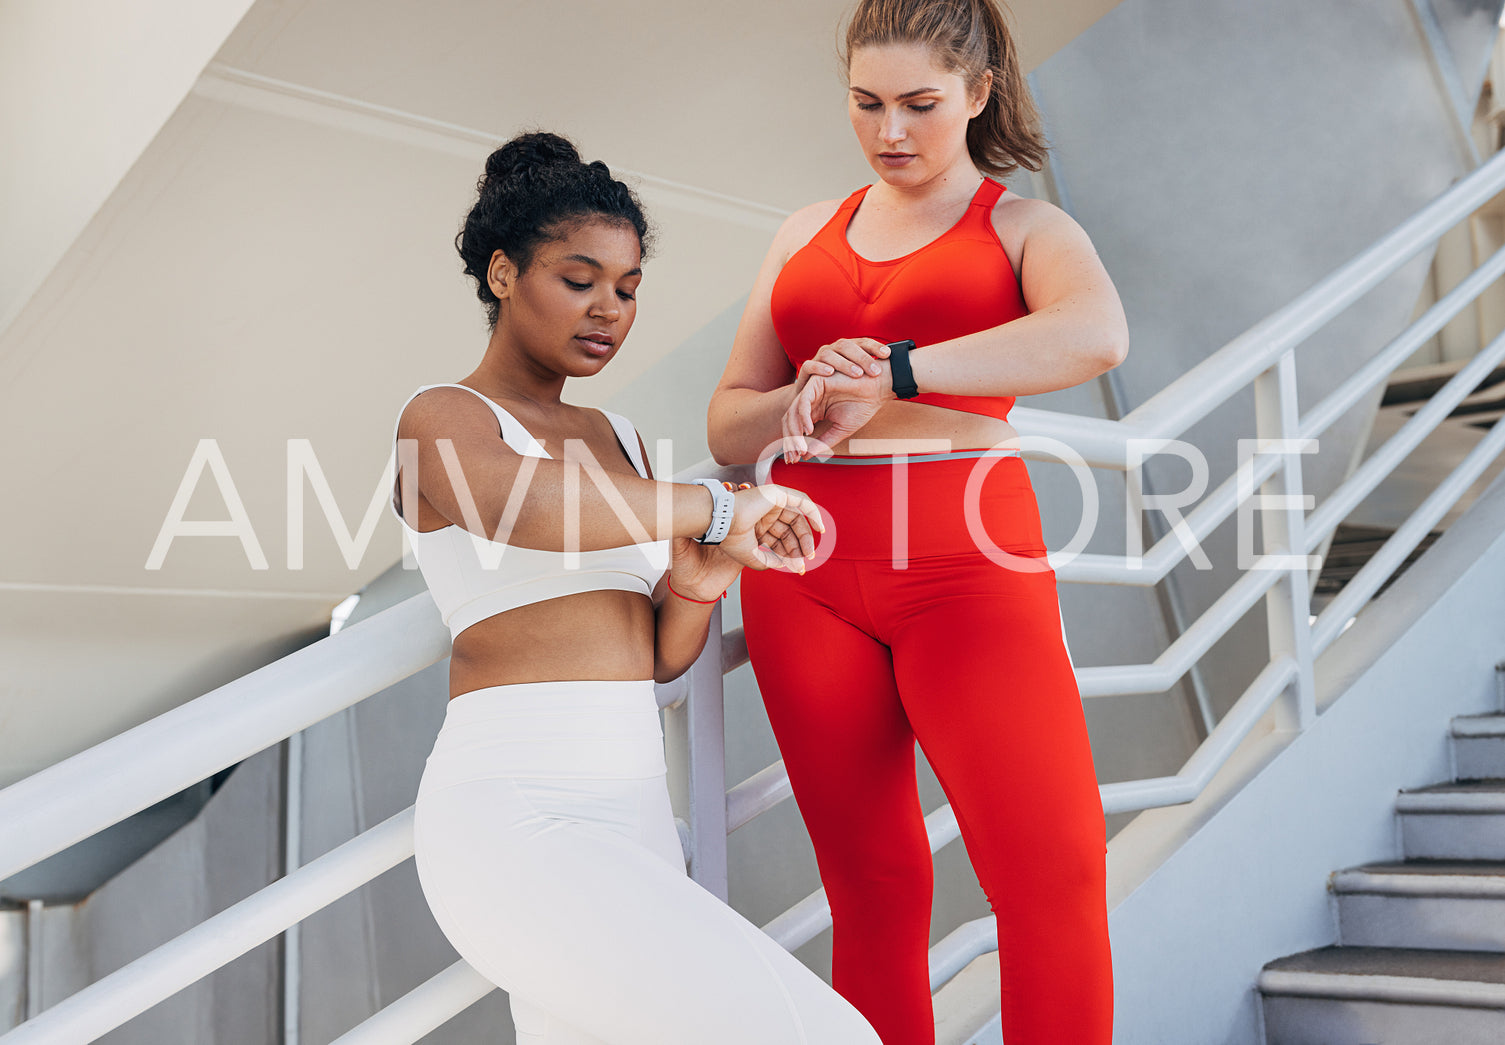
(546, 847)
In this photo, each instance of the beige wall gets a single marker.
(84, 87)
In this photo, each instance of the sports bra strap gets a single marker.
(851, 202)
(988, 193)
(513, 433)
(628, 437)
(522, 441)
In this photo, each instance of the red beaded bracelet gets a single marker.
(701, 602)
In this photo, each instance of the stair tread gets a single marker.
(1477, 727)
(1488, 785)
(1430, 879)
(1406, 962)
(1489, 868)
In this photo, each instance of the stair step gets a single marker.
(1427, 904)
(1458, 821)
(1490, 725)
(1389, 995)
(1479, 746)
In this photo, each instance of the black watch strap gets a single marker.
(903, 373)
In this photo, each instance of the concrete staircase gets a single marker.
(1421, 952)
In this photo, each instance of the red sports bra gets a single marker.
(956, 284)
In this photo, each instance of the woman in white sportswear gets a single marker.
(572, 581)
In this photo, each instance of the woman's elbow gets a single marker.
(720, 438)
(720, 451)
(664, 673)
(1114, 349)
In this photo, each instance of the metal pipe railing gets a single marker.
(958, 948)
(806, 919)
(1362, 586)
(1168, 552)
(733, 651)
(1193, 396)
(431, 1004)
(757, 795)
(1161, 674)
(1398, 447)
(81, 796)
(107, 1003)
(1131, 795)
(1364, 380)
(1205, 387)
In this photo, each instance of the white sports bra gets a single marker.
(472, 578)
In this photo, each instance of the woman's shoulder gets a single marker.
(440, 407)
(801, 226)
(1026, 210)
(1016, 218)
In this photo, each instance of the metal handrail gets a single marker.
(757, 795)
(432, 1003)
(1161, 673)
(959, 947)
(1362, 586)
(1194, 395)
(1426, 326)
(1382, 462)
(56, 807)
(802, 922)
(107, 1003)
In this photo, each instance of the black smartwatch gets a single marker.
(903, 373)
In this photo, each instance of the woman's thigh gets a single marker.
(990, 691)
(828, 686)
(593, 927)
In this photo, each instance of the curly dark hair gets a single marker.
(535, 190)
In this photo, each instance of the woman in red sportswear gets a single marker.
(932, 616)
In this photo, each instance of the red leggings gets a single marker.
(857, 660)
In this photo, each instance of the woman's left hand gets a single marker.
(701, 571)
(829, 409)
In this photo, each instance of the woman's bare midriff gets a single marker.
(605, 635)
(913, 428)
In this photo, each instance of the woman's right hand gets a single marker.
(854, 356)
(773, 526)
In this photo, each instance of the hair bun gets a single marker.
(532, 185)
(530, 151)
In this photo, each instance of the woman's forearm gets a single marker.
(743, 424)
(566, 506)
(1044, 351)
(680, 636)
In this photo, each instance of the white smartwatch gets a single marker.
(725, 502)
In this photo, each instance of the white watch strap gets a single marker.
(724, 503)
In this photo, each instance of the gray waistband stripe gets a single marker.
(958, 455)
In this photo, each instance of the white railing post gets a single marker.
(695, 739)
(1283, 529)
